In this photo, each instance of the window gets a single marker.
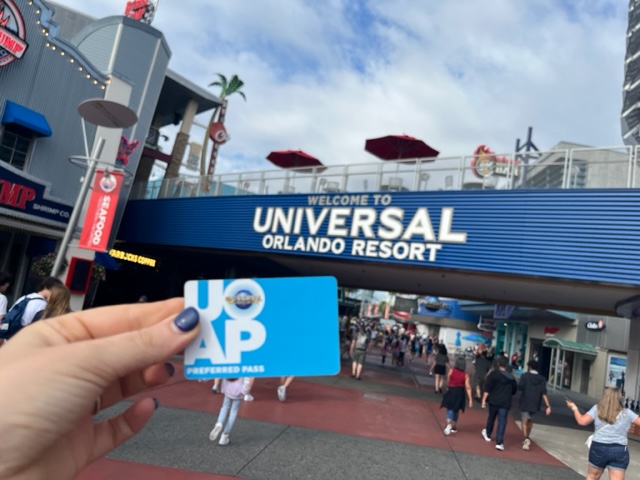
(14, 145)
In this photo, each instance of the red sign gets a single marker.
(141, 10)
(551, 331)
(12, 33)
(102, 209)
(15, 195)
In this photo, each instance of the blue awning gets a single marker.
(27, 118)
(107, 261)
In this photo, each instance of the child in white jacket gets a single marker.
(234, 390)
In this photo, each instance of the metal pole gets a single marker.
(77, 210)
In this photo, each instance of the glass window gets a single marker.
(14, 145)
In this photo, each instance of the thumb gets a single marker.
(117, 356)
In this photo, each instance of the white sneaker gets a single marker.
(215, 432)
(248, 398)
(282, 393)
(485, 436)
(215, 389)
(499, 446)
(447, 429)
(526, 445)
(224, 439)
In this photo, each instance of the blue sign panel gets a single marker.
(570, 234)
(264, 328)
(26, 196)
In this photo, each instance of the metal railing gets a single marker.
(607, 167)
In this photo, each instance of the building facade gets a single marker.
(51, 60)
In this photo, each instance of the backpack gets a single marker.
(12, 321)
(361, 342)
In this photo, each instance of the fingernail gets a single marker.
(156, 403)
(171, 370)
(187, 319)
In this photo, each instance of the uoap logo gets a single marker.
(225, 338)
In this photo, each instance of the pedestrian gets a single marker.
(5, 283)
(482, 365)
(359, 352)
(282, 389)
(500, 387)
(439, 367)
(59, 303)
(36, 301)
(458, 391)
(533, 391)
(608, 448)
(234, 390)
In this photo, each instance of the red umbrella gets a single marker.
(399, 147)
(297, 159)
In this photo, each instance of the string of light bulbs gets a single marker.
(64, 53)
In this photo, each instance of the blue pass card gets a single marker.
(267, 327)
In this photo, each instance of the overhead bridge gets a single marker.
(543, 233)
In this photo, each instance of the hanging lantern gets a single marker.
(218, 133)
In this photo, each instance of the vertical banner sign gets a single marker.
(102, 209)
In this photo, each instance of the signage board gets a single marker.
(102, 209)
(13, 33)
(486, 163)
(487, 325)
(27, 196)
(253, 327)
(595, 326)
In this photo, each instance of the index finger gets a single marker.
(101, 322)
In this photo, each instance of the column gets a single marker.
(182, 139)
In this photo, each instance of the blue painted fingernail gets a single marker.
(187, 319)
(171, 370)
(156, 403)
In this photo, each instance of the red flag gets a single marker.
(102, 209)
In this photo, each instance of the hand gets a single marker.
(484, 404)
(571, 405)
(470, 403)
(63, 369)
(548, 411)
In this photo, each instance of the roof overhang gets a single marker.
(569, 346)
(174, 98)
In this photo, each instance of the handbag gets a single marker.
(590, 437)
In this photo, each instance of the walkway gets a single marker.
(387, 426)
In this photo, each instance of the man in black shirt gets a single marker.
(499, 389)
(533, 389)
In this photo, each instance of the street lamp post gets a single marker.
(102, 113)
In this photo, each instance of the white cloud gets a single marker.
(322, 77)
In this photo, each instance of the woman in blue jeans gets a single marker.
(609, 445)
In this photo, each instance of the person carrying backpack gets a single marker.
(359, 351)
(25, 309)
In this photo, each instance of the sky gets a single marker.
(324, 76)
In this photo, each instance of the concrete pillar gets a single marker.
(182, 139)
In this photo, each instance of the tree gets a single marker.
(227, 88)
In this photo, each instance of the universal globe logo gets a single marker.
(108, 183)
(243, 298)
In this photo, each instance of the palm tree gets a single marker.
(227, 88)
